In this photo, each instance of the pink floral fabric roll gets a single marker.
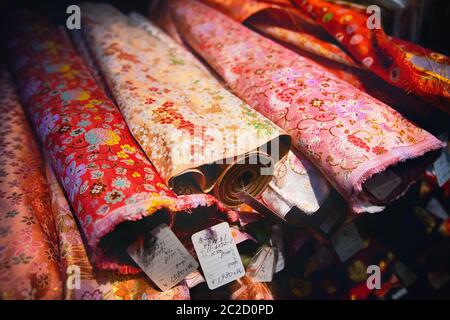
(367, 150)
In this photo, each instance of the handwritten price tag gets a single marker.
(162, 257)
(262, 266)
(218, 255)
(347, 242)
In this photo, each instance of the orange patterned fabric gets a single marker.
(398, 62)
(29, 255)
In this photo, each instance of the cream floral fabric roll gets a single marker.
(188, 124)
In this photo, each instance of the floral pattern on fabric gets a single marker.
(308, 38)
(296, 182)
(182, 117)
(398, 62)
(347, 134)
(29, 255)
(245, 289)
(307, 42)
(105, 175)
(73, 255)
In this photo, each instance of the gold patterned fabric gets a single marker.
(188, 124)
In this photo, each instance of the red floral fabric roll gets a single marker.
(74, 257)
(106, 176)
(398, 62)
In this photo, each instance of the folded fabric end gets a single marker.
(394, 157)
(105, 230)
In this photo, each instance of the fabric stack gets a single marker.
(122, 151)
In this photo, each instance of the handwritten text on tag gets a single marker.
(218, 255)
(262, 266)
(162, 257)
(347, 242)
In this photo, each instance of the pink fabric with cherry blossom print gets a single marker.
(351, 137)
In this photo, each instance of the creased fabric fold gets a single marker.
(296, 183)
(351, 137)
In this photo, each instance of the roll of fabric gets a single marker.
(368, 151)
(83, 51)
(307, 42)
(291, 26)
(42, 248)
(110, 184)
(82, 282)
(291, 171)
(198, 135)
(414, 107)
(29, 258)
(402, 64)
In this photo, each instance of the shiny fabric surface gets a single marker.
(347, 134)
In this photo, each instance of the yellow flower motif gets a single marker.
(83, 95)
(113, 138)
(129, 162)
(96, 102)
(128, 149)
(122, 154)
(64, 67)
(136, 174)
(70, 74)
(411, 139)
(125, 289)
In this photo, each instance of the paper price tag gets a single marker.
(262, 266)
(218, 255)
(405, 274)
(193, 279)
(381, 185)
(435, 207)
(442, 167)
(347, 242)
(162, 257)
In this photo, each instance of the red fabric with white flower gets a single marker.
(106, 176)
